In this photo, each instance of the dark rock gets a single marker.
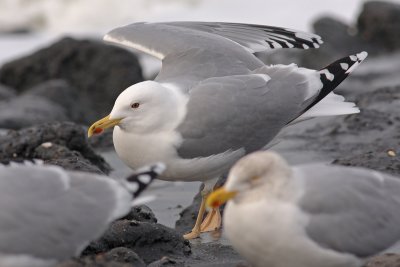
(141, 213)
(379, 24)
(340, 37)
(340, 40)
(61, 93)
(63, 144)
(149, 240)
(384, 260)
(124, 255)
(376, 32)
(48, 102)
(95, 261)
(28, 110)
(62, 156)
(166, 261)
(6, 92)
(96, 71)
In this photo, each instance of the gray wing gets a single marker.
(351, 210)
(193, 51)
(256, 38)
(243, 111)
(50, 213)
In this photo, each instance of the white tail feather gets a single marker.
(333, 104)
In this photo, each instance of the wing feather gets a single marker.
(358, 212)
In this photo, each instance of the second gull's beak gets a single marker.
(219, 197)
(99, 126)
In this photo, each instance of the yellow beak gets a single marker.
(99, 126)
(219, 197)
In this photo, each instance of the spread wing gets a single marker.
(193, 51)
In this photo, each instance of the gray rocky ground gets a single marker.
(66, 82)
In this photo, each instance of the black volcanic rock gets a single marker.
(62, 144)
(28, 110)
(151, 241)
(50, 101)
(379, 24)
(124, 255)
(117, 257)
(61, 93)
(97, 72)
(141, 213)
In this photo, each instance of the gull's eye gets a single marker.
(135, 105)
(255, 180)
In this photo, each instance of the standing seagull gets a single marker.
(213, 100)
(309, 215)
(48, 214)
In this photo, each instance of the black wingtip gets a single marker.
(332, 75)
(138, 181)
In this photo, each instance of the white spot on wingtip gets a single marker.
(131, 186)
(361, 56)
(305, 46)
(144, 178)
(352, 67)
(344, 66)
(353, 58)
(327, 74)
(159, 168)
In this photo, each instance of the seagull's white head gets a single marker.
(252, 172)
(143, 108)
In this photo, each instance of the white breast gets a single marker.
(271, 233)
(137, 150)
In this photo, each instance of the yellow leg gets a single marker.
(195, 233)
(212, 222)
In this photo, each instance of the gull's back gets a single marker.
(351, 210)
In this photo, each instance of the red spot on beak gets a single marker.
(216, 204)
(98, 130)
